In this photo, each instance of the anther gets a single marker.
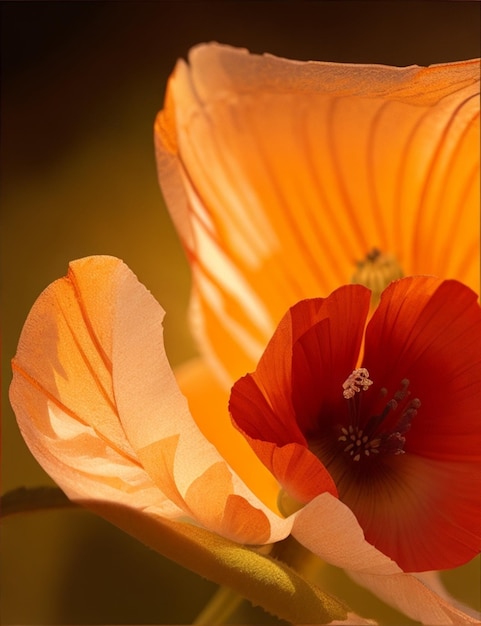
(359, 379)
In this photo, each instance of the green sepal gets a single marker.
(261, 579)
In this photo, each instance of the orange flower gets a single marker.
(281, 176)
(398, 438)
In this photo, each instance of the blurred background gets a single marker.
(81, 85)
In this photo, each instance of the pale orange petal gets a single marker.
(291, 172)
(62, 395)
(202, 389)
(100, 408)
(329, 529)
(232, 513)
(156, 419)
(434, 581)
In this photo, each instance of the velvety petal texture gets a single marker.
(403, 454)
(281, 176)
(99, 407)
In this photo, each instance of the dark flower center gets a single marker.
(374, 438)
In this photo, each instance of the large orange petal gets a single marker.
(329, 529)
(280, 175)
(99, 406)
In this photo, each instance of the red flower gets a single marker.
(400, 440)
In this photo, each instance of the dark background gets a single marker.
(81, 84)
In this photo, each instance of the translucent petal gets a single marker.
(281, 175)
(100, 408)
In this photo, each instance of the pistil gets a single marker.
(376, 271)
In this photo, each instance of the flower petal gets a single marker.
(95, 397)
(276, 387)
(62, 395)
(425, 514)
(277, 442)
(297, 379)
(202, 389)
(325, 355)
(434, 581)
(429, 331)
(291, 172)
(342, 543)
(424, 507)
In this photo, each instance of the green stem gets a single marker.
(31, 500)
(220, 607)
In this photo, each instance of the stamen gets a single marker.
(359, 379)
(409, 413)
(358, 443)
(371, 439)
(403, 391)
(376, 271)
(376, 420)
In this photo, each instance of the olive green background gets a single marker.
(81, 84)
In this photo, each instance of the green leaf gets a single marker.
(261, 579)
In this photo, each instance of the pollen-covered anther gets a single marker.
(359, 379)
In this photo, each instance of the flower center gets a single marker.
(374, 438)
(376, 271)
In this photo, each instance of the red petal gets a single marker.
(429, 331)
(296, 369)
(262, 403)
(254, 416)
(341, 542)
(423, 508)
(325, 355)
(424, 514)
(279, 444)
(297, 469)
